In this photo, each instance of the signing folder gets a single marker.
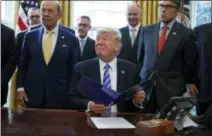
(98, 93)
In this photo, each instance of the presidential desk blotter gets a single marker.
(155, 127)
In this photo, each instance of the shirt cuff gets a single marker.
(20, 89)
(140, 106)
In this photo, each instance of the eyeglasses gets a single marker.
(83, 25)
(161, 6)
(36, 16)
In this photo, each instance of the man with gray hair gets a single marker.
(109, 71)
(86, 43)
(34, 20)
(131, 33)
(33, 15)
(48, 57)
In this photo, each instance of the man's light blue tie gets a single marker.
(107, 81)
(82, 44)
(133, 36)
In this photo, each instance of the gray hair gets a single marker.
(134, 5)
(32, 9)
(86, 17)
(116, 33)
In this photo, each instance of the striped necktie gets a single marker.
(106, 80)
(107, 83)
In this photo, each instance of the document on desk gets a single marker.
(111, 123)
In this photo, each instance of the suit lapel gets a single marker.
(135, 45)
(59, 43)
(127, 36)
(40, 41)
(120, 76)
(172, 39)
(155, 37)
(95, 70)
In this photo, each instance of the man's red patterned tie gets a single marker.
(162, 39)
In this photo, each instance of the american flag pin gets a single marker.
(64, 45)
(174, 33)
(122, 71)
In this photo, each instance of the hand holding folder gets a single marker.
(98, 93)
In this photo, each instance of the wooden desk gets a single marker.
(43, 122)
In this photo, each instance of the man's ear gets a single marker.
(117, 48)
(60, 15)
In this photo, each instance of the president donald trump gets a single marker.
(48, 58)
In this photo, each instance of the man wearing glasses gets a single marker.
(170, 58)
(86, 43)
(33, 15)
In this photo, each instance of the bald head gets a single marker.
(50, 13)
(134, 6)
(133, 14)
(55, 3)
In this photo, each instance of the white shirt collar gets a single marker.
(136, 27)
(83, 38)
(113, 64)
(169, 24)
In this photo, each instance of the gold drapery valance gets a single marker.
(66, 12)
(149, 11)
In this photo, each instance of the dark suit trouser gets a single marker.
(201, 107)
(42, 105)
(152, 106)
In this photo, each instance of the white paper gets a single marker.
(184, 122)
(111, 123)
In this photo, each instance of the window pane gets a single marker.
(102, 14)
(8, 13)
(201, 12)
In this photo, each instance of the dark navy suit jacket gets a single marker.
(20, 39)
(47, 83)
(127, 76)
(203, 34)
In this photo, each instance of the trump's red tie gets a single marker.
(162, 39)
